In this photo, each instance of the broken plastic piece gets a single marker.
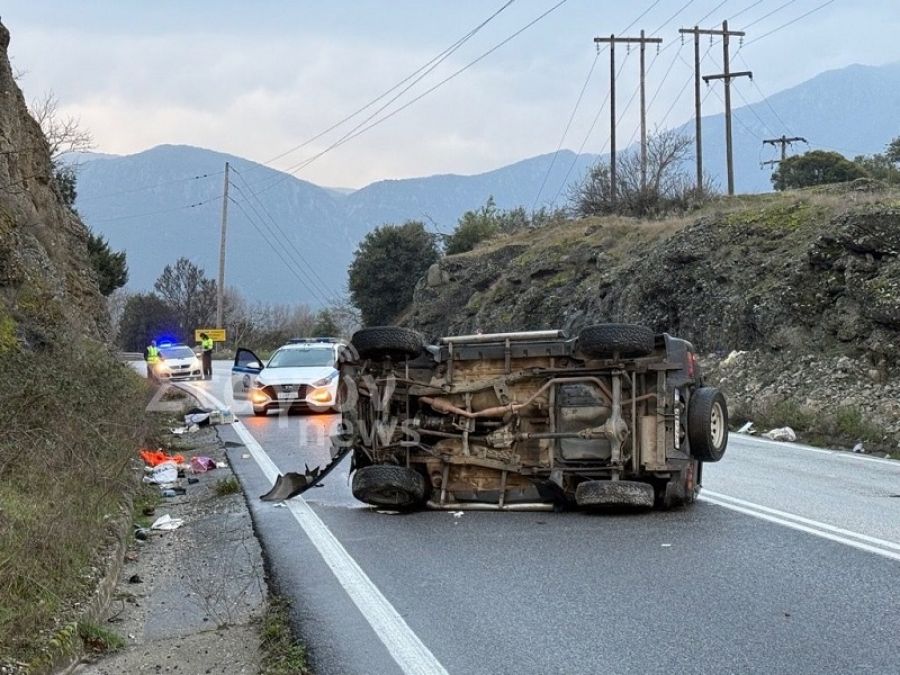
(167, 523)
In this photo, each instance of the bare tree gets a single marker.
(669, 186)
(63, 134)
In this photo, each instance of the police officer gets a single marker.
(206, 344)
(151, 356)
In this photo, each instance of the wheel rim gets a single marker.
(717, 425)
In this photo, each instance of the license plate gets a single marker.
(287, 395)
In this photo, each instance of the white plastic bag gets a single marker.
(167, 472)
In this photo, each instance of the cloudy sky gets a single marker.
(257, 79)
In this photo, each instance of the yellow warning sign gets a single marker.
(217, 334)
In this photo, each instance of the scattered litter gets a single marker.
(201, 419)
(279, 505)
(246, 455)
(135, 579)
(202, 464)
(192, 480)
(858, 447)
(141, 533)
(747, 428)
(221, 465)
(157, 457)
(666, 545)
(387, 513)
(174, 492)
(166, 523)
(456, 514)
(781, 434)
(179, 431)
(167, 472)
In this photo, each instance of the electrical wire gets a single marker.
(428, 67)
(351, 135)
(157, 213)
(277, 251)
(789, 23)
(566, 131)
(746, 9)
(149, 187)
(314, 280)
(768, 14)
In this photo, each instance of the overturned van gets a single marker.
(615, 417)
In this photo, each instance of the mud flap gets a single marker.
(292, 483)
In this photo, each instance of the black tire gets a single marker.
(260, 412)
(388, 485)
(707, 424)
(387, 341)
(608, 339)
(614, 494)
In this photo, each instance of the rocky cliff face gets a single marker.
(46, 281)
(812, 275)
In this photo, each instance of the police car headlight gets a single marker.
(161, 367)
(325, 380)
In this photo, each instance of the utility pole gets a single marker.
(784, 141)
(220, 288)
(727, 76)
(612, 40)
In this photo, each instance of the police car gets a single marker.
(177, 362)
(301, 374)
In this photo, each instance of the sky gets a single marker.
(257, 79)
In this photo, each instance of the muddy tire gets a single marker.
(387, 341)
(389, 486)
(614, 494)
(707, 424)
(605, 340)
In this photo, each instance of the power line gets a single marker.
(746, 9)
(566, 130)
(351, 135)
(710, 13)
(277, 251)
(314, 284)
(767, 15)
(150, 187)
(427, 67)
(790, 23)
(157, 213)
(672, 18)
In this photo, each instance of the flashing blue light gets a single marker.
(165, 341)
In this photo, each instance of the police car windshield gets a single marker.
(179, 352)
(301, 358)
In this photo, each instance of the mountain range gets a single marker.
(291, 241)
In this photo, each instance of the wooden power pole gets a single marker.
(784, 142)
(220, 288)
(727, 76)
(612, 40)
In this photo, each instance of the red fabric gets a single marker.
(156, 457)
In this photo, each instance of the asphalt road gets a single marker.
(790, 564)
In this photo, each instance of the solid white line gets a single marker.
(840, 454)
(410, 653)
(798, 523)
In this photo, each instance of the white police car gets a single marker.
(302, 374)
(177, 362)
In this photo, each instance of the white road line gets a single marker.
(410, 653)
(839, 454)
(863, 542)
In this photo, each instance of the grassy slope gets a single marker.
(73, 419)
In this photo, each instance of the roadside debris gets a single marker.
(157, 457)
(747, 428)
(859, 447)
(167, 472)
(202, 464)
(203, 417)
(167, 523)
(781, 434)
(456, 514)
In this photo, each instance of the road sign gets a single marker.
(217, 334)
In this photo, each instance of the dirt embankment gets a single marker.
(807, 283)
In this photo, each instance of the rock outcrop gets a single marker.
(46, 280)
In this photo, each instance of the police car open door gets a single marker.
(247, 367)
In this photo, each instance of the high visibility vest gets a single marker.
(207, 344)
(152, 354)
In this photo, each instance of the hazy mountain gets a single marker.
(142, 202)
